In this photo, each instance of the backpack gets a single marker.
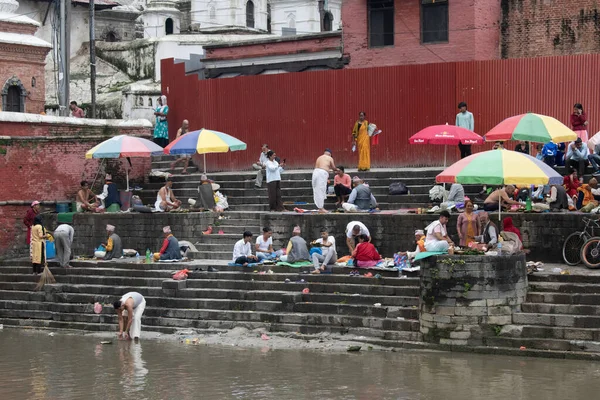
(398, 188)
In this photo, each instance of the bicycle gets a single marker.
(590, 252)
(574, 244)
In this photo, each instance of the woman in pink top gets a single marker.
(579, 122)
(342, 185)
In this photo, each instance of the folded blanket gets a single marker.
(426, 254)
(251, 265)
(297, 264)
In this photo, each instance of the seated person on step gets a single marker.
(111, 201)
(296, 248)
(586, 201)
(86, 199)
(504, 195)
(365, 254)
(420, 241)
(264, 245)
(170, 248)
(242, 251)
(328, 254)
(437, 235)
(361, 198)
(489, 231)
(165, 199)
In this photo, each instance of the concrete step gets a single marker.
(573, 309)
(565, 320)
(88, 279)
(560, 287)
(543, 344)
(563, 298)
(575, 278)
(558, 332)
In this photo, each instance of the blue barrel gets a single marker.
(50, 250)
(62, 207)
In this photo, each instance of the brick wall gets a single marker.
(473, 34)
(391, 233)
(14, 27)
(25, 63)
(549, 27)
(45, 160)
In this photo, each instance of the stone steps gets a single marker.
(561, 287)
(573, 309)
(565, 320)
(544, 344)
(563, 298)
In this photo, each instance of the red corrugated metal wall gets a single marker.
(299, 114)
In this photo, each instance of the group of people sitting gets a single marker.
(109, 200)
(352, 195)
(323, 253)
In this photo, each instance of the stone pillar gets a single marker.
(466, 298)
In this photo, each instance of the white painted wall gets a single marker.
(303, 15)
(220, 13)
(155, 21)
(174, 49)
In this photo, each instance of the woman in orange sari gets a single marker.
(362, 140)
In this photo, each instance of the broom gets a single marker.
(46, 276)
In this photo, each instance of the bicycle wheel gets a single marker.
(590, 253)
(572, 247)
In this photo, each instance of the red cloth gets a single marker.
(28, 222)
(365, 251)
(577, 121)
(571, 186)
(164, 246)
(507, 224)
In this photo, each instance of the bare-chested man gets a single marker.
(86, 199)
(185, 158)
(320, 175)
(492, 203)
(165, 199)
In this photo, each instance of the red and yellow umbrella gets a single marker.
(533, 128)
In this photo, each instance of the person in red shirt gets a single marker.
(342, 185)
(29, 217)
(76, 112)
(579, 122)
(571, 183)
(365, 254)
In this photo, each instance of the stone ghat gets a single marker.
(543, 234)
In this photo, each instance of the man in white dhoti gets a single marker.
(63, 239)
(320, 175)
(129, 313)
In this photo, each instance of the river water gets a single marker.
(34, 365)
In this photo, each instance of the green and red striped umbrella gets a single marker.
(500, 167)
(531, 127)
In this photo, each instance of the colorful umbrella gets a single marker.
(204, 141)
(500, 167)
(445, 135)
(531, 127)
(125, 146)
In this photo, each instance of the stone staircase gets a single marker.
(209, 301)
(562, 313)
(296, 187)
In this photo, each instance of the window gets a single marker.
(327, 22)
(434, 21)
(250, 14)
(213, 13)
(13, 95)
(169, 26)
(381, 22)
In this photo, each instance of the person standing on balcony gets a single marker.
(161, 129)
(579, 122)
(464, 119)
(362, 141)
(76, 112)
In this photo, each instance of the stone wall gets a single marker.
(136, 58)
(43, 158)
(549, 28)
(391, 233)
(467, 298)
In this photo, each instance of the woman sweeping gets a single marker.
(161, 129)
(468, 225)
(362, 141)
(37, 250)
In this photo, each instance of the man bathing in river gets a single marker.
(319, 179)
(129, 313)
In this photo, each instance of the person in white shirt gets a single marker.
(274, 170)
(353, 230)
(63, 239)
(329, 253)
(261, 165)
(437, 236)
(264, 244)
(129, 314)
(242, 251)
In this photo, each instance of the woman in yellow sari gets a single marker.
(38, 242)
(362, 140)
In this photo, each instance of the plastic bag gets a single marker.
(397, 188)
(181, 275)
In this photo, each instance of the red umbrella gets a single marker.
(445, 135)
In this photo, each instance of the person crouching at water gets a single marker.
(170, 247)
(129, 313)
